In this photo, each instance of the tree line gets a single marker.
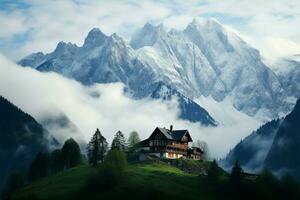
(240, 185)
(98, 147)
(97, 151)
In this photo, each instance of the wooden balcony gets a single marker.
(178, 145)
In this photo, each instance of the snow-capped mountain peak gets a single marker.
(148, 35)
(63, 47)
(94, 38)
(205, 59)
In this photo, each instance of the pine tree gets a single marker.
(236, 175)
(97, 148)
(118, 142)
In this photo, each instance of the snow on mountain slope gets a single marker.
(189, 109)
(175, 58)
(288, 72)
(207, 59)
(108, 59)
(241, 73)
(204, 60)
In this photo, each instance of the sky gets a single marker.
(29, 26)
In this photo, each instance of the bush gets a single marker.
(214, 172)
(116, 158)
(110, 173)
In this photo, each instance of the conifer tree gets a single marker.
(236, 175)
(119, 142)
(97, 148)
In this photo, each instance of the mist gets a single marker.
(106, 106)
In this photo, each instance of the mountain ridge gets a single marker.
(204, 59)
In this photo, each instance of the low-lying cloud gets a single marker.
(105, 106)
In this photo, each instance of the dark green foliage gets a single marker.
(118, 142)
(14, 181)
(97, 148)
(39, 167)
(116, 158)
(105, 179)
(22, 137)
(56, 161)
(46, 164)
(248, 150)
(290, 187)
(70, 154)
(236, 175)
(110, 174)
(140, 181)
(285, 150)
(214, 172)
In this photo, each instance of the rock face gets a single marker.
(288, 72)
(189, 109)
(205, 59)
(22, 137)
(108, 59)
(275, 145)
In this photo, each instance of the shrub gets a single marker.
(110, 172)
(116, 158)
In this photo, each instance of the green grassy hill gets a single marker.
(141, 181)
(158, 181)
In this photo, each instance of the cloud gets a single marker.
(105, 106)
(40, 25)
(15, 26)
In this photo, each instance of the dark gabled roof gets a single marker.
(175, 134)
(178, 134)
(144, 143)
(167, 133)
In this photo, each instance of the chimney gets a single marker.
(171, 128)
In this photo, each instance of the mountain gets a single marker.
(205, 59)
(284, 154)
(62, 128)
(288, 71)
(108, 59)
(209, 60)
(189, 109)
(275, 145)
(22, 137)
(252, 151)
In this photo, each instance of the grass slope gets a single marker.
(141, 181)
